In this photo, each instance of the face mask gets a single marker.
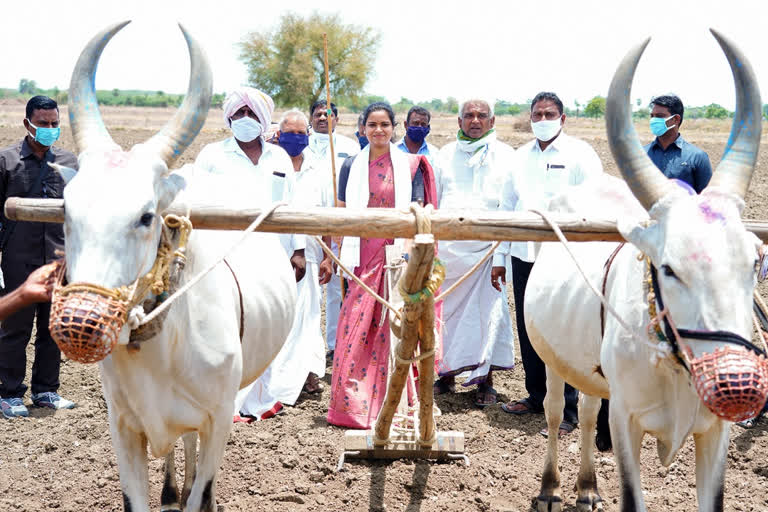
(362, 140)
(45, 136)
(659, 125)
(417, 133)
(546, 130)
(246, 129)
(293, 143)
(320, 140)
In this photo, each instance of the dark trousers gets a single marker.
(535, 370)
(15, 332)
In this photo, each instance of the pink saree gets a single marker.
(360, 363)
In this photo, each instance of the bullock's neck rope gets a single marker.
(181, 291)
(660, 350)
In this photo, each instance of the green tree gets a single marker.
(595, 107)
(27, 86)
(715, 111)
(452, 105)
(287, 62)
(765, 111)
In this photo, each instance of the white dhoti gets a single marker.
(302, 353)
(477, 335)
(332, 306)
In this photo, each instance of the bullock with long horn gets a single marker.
(123, 256)
(674, 353)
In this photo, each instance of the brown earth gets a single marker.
(64, 460)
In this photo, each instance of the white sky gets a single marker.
(493, 49)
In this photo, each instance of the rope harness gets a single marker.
(732, 383)
(86, 319)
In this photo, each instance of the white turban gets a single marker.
(260, 103)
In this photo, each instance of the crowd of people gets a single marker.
(292, 163)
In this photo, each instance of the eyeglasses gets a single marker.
(549, 115)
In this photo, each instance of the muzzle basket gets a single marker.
(85, 320)
(732, 383)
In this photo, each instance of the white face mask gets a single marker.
(320, 140)
(546, 130)
(246, 129)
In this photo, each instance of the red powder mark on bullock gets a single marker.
(700, 257)
(710, 213)
(116, 158)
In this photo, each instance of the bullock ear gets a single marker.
(167, 190)
(645, 235)
(67, 173)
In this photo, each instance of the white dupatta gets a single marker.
(357, 195)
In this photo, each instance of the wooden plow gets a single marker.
(416, 326)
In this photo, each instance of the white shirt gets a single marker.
(312, 188)
(538, 177)
(223, 170)
(344, 147)
(461, 186)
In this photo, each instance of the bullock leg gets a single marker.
(627, 440)
(190, 463)
(711, 451)
(550, 497)
(131, 450)
(202, 497)
(169, 497)
(586, 483)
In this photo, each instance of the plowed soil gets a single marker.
(65, 461)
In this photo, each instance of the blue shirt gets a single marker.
(683, 161)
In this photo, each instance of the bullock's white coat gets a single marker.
(184, 379)
(702, 239)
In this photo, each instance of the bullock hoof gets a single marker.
(593, 504)
(549, 503)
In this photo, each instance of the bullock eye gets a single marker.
(668, 271)
(146, 219)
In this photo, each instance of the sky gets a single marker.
(429, 49)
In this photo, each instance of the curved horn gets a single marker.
(735, 169)
(647, 183)
(88, 129)
(181, 130)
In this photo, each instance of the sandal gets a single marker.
(747, 423)
(444, 385)
(312, 385)
(485, 396)
(520, 407)
(566, 427)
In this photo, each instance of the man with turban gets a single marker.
(245, 170)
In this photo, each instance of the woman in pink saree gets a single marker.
(381, 176)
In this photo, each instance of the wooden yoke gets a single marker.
(418, 323)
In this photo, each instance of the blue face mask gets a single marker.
(45, 136)
(417, 133)
(293, 143)
(362, 140)
(659, 125)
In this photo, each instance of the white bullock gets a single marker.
(215, 339)
(706, 262)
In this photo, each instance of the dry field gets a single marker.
(64, 461)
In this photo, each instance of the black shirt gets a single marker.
(23, 175)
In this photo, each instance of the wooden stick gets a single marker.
(374, 222)
(415, 276)
(329, 117)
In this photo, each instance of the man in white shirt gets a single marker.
(477, 336)
(544, 168)
(245, 170)
(318, 150)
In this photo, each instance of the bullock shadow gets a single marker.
(416, 488)
(744, 439)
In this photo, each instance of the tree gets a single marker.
(715, 111)
(595, 107)
(287, 62)
(27, 86)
